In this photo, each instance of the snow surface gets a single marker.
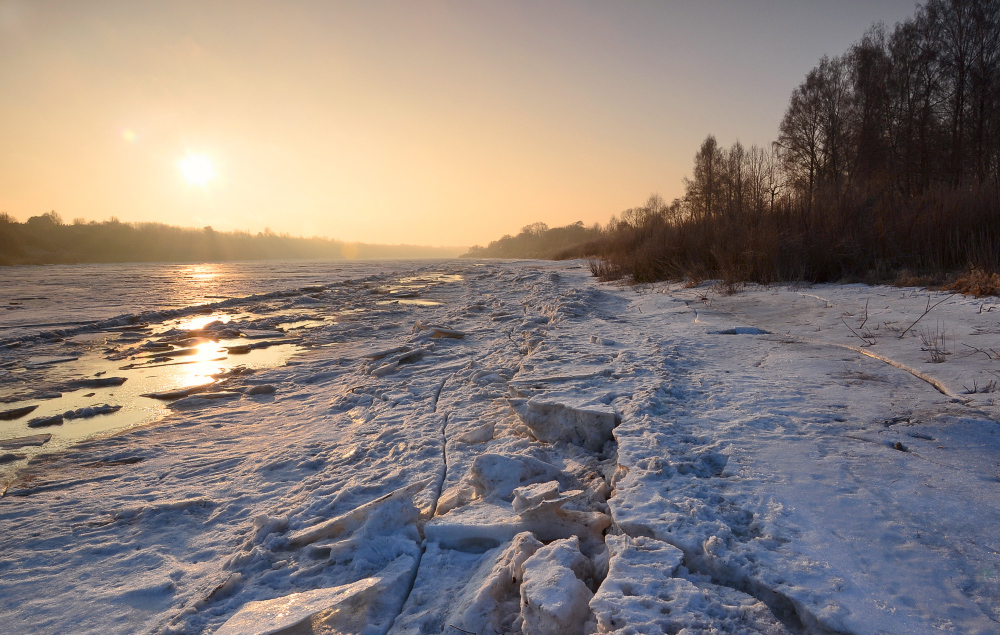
(516, 448)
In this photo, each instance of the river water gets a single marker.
(76, 339)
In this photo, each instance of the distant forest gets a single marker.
(46, 239)
(539, 241)
(886, 167)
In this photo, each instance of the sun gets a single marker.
(197, 169)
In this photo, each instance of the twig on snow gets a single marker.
(926, 311)
(868, 341)
(992, 354)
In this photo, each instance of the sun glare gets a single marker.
(197, 169)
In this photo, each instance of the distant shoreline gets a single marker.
(45, 239)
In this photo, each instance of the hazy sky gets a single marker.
(444, 123)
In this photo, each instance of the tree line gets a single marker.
(45, 239)
(886, 162)
(538, 240)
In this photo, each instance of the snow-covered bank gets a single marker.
(540, 453)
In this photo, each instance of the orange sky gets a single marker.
(441, 123)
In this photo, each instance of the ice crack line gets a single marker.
(437, 496)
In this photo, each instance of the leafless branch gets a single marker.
(868, 341)
(926, 311)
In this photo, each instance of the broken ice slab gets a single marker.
(10, 457)
(438, 331)
(24, 442)
(203, 399)
(529, 496)
(352, 519)
(486, 524)
(377, 355)
(370, 603)
(641, 595)
(391, 363)
(640, 569)
(44, 422)
(480, 434)
(91, 411)
(16, 413)
(251, 334)
(179, 392)
(554, 597)
(270, 617)
(98, 382)
(497, 476)
(588, 425)
(47, 360)
(263, 389)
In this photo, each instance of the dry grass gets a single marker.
(976, 282)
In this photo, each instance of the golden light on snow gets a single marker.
(197, 169)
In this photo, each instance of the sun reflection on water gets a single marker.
(201, 366)
(197, 322)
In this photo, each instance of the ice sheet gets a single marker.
(777, 463)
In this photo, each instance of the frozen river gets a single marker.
(38, 298)
(505, 447)
(95, 349)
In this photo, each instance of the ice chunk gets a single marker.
(263, 389)
(44, 422)
(263, 525)
(178, 393)
(98, 382)
(352, 519)
(23, 442)
(549, 520)
(204, 399)
(15, 413)
(350, 608)
(252, 334)
(554, 598)
(392, 362)
(491, 600)
(46, 360)
(10, 457)
(438, 331)
(642, 595)
(531, 495)
(379, 354)
(91, 411)
(496, 475)
(587, 425)
(480, 434)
